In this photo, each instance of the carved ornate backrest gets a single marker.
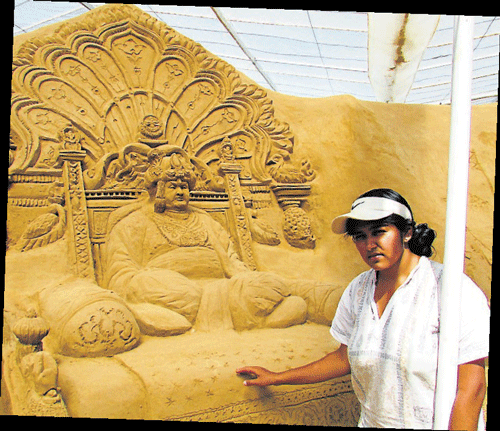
(92, 98)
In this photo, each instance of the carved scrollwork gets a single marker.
(107, 325)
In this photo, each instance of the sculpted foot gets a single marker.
(291, 311)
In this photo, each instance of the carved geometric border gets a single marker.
(231, 412)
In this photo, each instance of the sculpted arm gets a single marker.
(224, 247)
(335, 364)
(121, 261)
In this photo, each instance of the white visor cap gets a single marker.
(370, 208)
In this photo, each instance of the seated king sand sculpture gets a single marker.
(177, 267)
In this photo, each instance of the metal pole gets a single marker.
(227, 25)
(456, 218)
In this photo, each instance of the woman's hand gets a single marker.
(257, 376)
(333, 365)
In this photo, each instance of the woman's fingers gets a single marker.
(255, 376)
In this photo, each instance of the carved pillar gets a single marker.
(237, 213)
(77, 211)
(297, 226)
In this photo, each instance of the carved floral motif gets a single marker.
(106, 326)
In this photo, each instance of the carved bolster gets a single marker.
(86, 320)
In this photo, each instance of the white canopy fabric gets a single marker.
(305, 53)
(396, 44)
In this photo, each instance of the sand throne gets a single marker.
(89, 101)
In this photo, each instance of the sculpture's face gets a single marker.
(176, 195)
(151, 127)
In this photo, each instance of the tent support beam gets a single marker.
(227, 25)
(456, 219)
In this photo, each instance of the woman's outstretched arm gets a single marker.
(335, 364)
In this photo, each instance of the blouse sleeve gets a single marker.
(344, 319)
(474, 323)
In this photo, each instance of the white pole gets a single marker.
(456, 218)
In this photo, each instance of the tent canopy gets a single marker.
(306, 53)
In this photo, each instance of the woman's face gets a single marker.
(380, 245)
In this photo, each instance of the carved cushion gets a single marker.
(192, 377)
(86, 320)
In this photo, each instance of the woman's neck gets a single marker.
(389, 280)
(397, 274)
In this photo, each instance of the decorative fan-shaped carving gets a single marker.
(100, 93)
(115, 71)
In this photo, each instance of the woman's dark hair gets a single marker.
(423, 236)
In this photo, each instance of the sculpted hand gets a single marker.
(258, 376)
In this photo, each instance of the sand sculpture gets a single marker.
(163, 228)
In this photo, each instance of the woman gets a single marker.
(387, 322)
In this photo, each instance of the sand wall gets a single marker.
(357, 145)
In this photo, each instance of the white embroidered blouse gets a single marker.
(394, 358)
